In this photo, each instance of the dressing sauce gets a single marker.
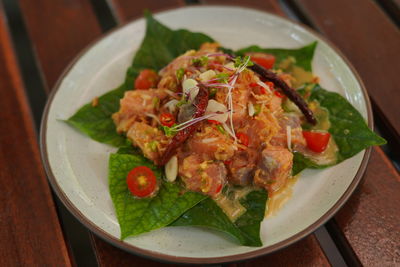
(229, 202)
(279, 198)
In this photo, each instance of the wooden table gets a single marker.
(39, 38)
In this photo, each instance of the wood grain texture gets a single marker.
(370, 41)
(272, 6)
(370, 220)
(126, 10)
(30, 233)
(59, 30)
(304, 253)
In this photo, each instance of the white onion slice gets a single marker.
(230, 65)
(171, 105)
(250, 108)
(187, 85)
(289, 137)
(193, 93)
(213, 107)
(207, 75)
(171, 169)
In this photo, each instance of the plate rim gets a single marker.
(130, 248)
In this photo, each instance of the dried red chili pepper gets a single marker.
(289, 92)
(200, 102)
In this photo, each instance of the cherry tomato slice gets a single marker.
(243, 138)
(141, 181)
(167, 119)
(147, 79)
(317, 141)
(265, 60)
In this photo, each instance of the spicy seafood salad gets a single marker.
(207, 135)
(213, 121)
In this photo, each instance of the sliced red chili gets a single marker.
(167, 119)
(141, 181)
(243, 138)
(214, 122)
(227, 162)
(278, 94)
(219, 189)
(270, 85)
(254, 84)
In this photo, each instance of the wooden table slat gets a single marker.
(30, 231)
(127, 10)
(304, 253)
(59, 30)
(370, 220)
(370, 40)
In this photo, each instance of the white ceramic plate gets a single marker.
(77, 165)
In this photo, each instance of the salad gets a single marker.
(207, 135)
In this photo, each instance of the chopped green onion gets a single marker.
(212, 92)
(257, 109)
(201, 61)
(169, 131)
(180, 73)
(222, 77)
(220, 128)
(181, 102)
(156, 102)
(153, 145)
(245, 62)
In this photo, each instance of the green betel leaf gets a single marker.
(303, 55)
(246, 229)
(159, 47)
(96, 121)
(137, 216)
(348, 129)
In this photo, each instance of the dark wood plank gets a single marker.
(59, 30)
(272, 6)
(370, 40)
(305, 253)
(30, 233)
(127, 10)
(370, 220)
